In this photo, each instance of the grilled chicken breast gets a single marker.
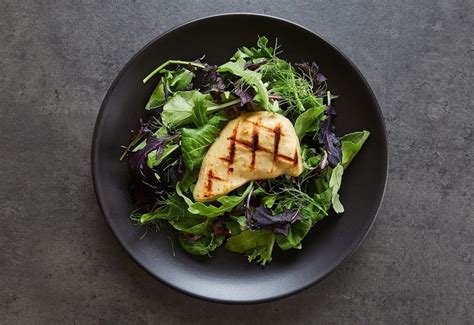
(257, 145)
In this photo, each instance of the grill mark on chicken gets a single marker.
(254, 146)
(262, 126)
(233, 139)
(276, 142)
(210, 178)
(295, 158)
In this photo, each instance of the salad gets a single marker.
(242, 155)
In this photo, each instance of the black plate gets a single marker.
(228, 277)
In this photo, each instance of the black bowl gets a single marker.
(228, 277)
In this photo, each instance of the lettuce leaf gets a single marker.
(308, 121)
(178, 111)
(351, 144)
(251, 78)
(170, 82)
(202, 246)
(263, 218)
(226, 203)
(196, 142)
(335, 184)
(257, 245)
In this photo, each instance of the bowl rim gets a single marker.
(95, 162)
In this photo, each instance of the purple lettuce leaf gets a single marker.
(246, 95)
(327, 137)
(213, 82)
(311, 70)
(262, 218)
(145, 184)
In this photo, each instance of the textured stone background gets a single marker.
(59, 263)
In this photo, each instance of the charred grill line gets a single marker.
(210, 177)
(276, 143)
(254, 146)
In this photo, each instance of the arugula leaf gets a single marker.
(351, 144)
(227, 203)
(261, 52)
(202, 246)
(196, 142)
(178, 110)
(251, 78)
(335, 184)
(309, 120)
(199, 112)
(257, 245)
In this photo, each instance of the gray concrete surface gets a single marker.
(59, 263)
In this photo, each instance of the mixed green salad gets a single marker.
(191, 104)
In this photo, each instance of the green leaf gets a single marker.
(198, 226)
(203, 246)
(296, 234)
(171, 80)
(269, 200)
(257, 245)
(251, 78)
(261, 52)
(308, 121)
(236, 225)
(157, 98)
(172, 208)
(196, 142)
(199, 112)
(178, 110)
(226, 203)
(178, 80)
(351, 144)
(152, 158)
(335, 184)
(140, 146)
(161, 132)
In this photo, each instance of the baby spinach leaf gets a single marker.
(196, 142)
(309, 120)
(202, 246)
(257, 245)
(351, 144)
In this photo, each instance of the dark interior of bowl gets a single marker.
(228, 277)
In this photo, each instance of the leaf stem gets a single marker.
(169, 62)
